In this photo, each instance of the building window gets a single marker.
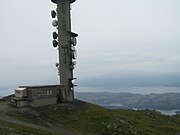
(44, 92)
(50, 92)
(39, 93)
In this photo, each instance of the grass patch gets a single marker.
(9, 128)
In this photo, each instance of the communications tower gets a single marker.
(65, 41)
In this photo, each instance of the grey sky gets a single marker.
(114, 36)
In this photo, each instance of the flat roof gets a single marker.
(20, 89)
(40, 86)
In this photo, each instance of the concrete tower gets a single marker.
(65, 41)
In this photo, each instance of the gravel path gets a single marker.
(59, 130)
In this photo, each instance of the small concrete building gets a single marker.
(35, 96)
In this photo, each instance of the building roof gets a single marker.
(39, 86)
(20, 89)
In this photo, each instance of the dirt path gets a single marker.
(58, 130)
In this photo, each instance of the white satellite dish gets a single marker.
(74, 63)
(74, 41)
(73, 48)
(73, 82)
(55, 23)
(72, 66)
(74, 54)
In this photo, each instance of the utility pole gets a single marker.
(65, 42)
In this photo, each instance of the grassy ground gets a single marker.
(9, 128)
(89, 119)
(94, 120)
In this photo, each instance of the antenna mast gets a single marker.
(65, 41)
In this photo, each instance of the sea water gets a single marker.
(134, 90)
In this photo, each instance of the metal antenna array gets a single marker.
(65, 41)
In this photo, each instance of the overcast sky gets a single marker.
(117, 36)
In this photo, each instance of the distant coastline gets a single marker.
(165, 112)
(135, 90)
(166, 102)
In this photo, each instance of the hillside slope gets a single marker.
(81, 118)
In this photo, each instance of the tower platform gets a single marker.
(55, 1)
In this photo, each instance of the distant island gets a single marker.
(167, 101)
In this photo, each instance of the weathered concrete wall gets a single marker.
(20, 93)
(43, 102)
(22, 103)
